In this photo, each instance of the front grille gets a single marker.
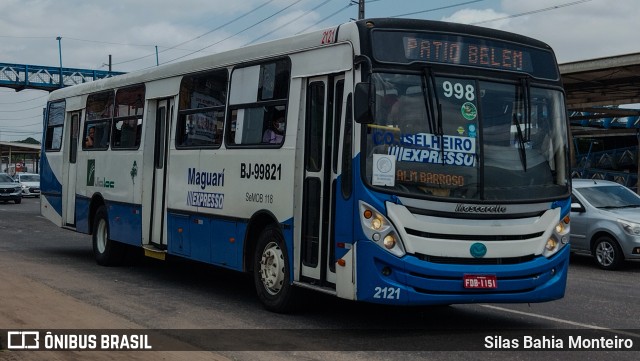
(6, 190)
(34, 190)
(475, 261)
(473, 237)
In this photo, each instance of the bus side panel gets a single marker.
(178, 227)
(50, 187)
(82, 214)
(226, 243)
(125, 223)
(206, 239)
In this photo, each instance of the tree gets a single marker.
(28, 141)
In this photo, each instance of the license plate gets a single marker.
(477, 281)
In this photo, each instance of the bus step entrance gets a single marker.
(154, 252)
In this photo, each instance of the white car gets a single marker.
(30, 184)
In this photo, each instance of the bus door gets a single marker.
(69, 187)
(164, 110)
(322, 123)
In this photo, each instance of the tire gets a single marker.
(607, 253)
(18, 200)
(271, 272)
(106, 251)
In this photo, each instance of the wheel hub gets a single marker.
(605, 253)
(272, 268)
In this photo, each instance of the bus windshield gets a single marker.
(457, 137)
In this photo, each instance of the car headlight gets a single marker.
(631, 228)
(380, 230)
(558, 239)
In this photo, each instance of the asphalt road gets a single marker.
(49, 280)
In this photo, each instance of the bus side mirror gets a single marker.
(364, 103)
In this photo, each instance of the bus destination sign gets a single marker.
(410, 47)
(459, 52)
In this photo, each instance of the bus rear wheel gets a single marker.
(271, 272)
(106, 251)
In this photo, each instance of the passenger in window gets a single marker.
(129, 133)
(88, 142)
(275, 132)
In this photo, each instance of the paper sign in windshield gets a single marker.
(384, 170)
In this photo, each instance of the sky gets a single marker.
(130, 30)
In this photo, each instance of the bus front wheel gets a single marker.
(271, 272)
(106, 251)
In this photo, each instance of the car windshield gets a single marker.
(30, 178)
(426, 138)
(610, 196)
(5, 178)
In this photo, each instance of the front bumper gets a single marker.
(384, 278)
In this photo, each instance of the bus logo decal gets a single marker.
(463, 208)
(91, 172)
(206, 200)
(204, 178)
(478, 250)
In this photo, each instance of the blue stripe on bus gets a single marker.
(213, 239)
(50, 186)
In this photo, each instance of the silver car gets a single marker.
(605, 222)
(9, 190)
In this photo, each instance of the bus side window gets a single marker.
(201, 109)
(258, 103)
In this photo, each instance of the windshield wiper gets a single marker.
(620, 207)
(523, 98)
(432, 102)
(520, 140)
(426, 97)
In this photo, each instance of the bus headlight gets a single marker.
(380, 230)
(558, 239)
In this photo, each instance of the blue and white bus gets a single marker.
(393, 161)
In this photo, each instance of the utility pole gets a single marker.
(59, 38)
(360, 8)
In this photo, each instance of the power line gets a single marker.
(21, 126)
(25, 101)
(239, 32)
(288, 23)
(436, 9)
(532, 12)
(325, 18)
(201, 35)
(21, 110)
(25, 118)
